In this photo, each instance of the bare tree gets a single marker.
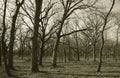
(45, 17)
(95, 22)
(69, 6)
(35, 47)
(77, 46)
(12, 34)
(4, 47)
(102, 35)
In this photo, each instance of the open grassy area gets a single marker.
(82, 69)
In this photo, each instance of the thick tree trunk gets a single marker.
(4, 51)
(41, 54)
(4, 48)
(12, 35)
(55, 49)
(35, 36)
(12, 38)
(42, 51)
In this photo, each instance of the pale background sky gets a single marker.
(107, 3)
(112, 31)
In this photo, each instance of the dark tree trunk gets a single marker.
(4, 47)
(12, 35)
(94, 52)
(22, 53)
(4, 51)
(101, 54)
(64, 51)
(69, 47)
(42, 49)
(86, 56)
(102, 35)
(0, 53)
(35, 36)
(78, 54)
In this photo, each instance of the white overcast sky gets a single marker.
(112, 32)
(107, 3)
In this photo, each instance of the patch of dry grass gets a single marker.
(82, 69)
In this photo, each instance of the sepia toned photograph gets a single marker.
(59, 38)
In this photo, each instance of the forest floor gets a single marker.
(82, 69)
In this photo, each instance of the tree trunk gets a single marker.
(22, 52)
(35, 36)
(12, 35)
(102, 35)
(0, 53)
(42, 49)
(4, 48)
(55, 49)
(78, 54)
(94, 52)
(4, 51)
(64, 51)
(86, 56)
(69, 52)
(101, 54)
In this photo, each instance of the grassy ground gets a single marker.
(2, 73)
(82, 69)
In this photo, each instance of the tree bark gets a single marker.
(55, 49)
(12, 35)
(35, 36)
(4, 47)
(42, 50)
